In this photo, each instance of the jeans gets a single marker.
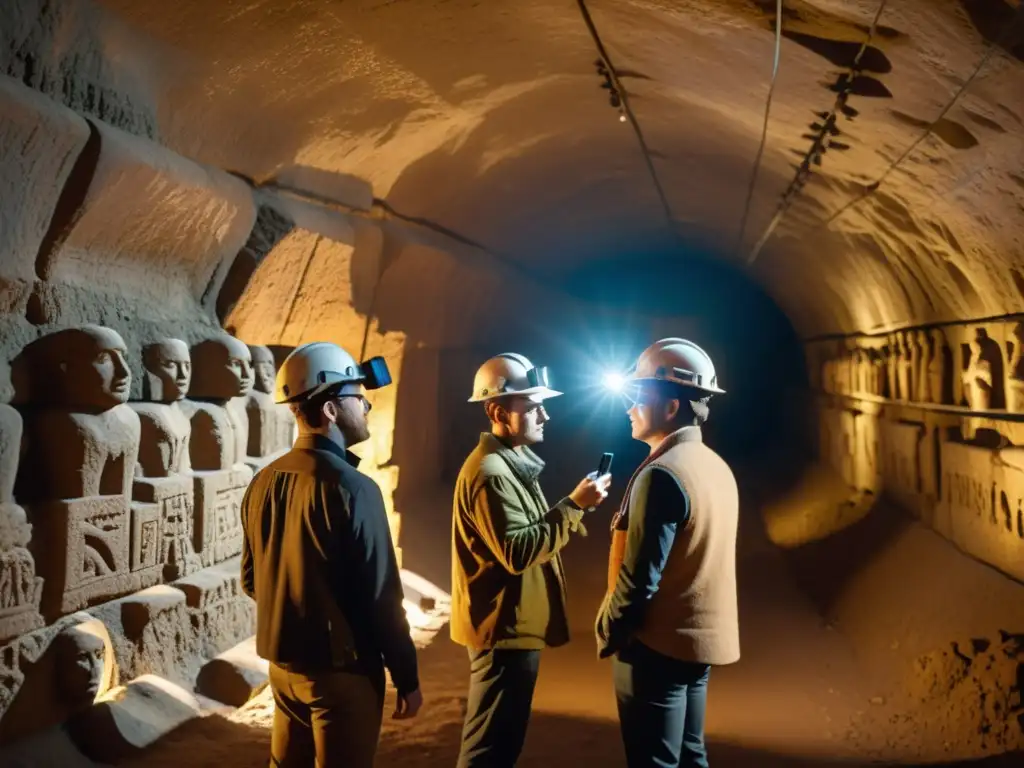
(662, 703)
(325, 719)
(501, 684)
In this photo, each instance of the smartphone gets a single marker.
(606, 464)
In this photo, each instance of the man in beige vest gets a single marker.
(508, 587)
(670, 612)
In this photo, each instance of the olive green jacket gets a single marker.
(508, 588)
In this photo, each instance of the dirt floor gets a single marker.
(848, 658)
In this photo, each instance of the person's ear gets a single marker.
(672, 408)
(330, 410)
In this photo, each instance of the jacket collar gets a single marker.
(320, 443)
(526, 464)
(689, 434)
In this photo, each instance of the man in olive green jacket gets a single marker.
(508, 590)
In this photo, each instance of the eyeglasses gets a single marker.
(367, 405)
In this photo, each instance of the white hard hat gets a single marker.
(319, 366)
(678, 361)
(511, 374)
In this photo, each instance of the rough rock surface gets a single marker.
(234, 676)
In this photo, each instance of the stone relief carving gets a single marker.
(20, 589)
(83, 443)
(270, 425)
(1015, 369)
(164, 498)
(978, 367)
(222, 379)
(84, 663)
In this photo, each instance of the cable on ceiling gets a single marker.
(871, 188)
(764, 127)
(628, 112)
(820, 142)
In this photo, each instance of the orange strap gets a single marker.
(615, 556)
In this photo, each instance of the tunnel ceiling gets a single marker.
(489, 120)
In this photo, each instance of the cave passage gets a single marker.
(826, 197)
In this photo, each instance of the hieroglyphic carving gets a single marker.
(164, 479)
(152, 633)
(221, 613)
(82, 450)
(20, 589)
(1015, 369)
(218, 526)
(88, 541)
(983, 493)
(901, 469)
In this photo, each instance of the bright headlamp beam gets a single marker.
(615, 382)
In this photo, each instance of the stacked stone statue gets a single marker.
(271, 426)
(164, 498)
(221, 383)
(20, 589)
(82, 445)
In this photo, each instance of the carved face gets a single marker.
(263, 368)
(223, 369)
(92, 365)
(81, 656)
(168, 369)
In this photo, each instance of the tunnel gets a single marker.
(827, 196)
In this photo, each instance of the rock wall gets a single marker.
(933, 418)
(130, 421)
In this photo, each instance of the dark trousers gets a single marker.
(662, 702)
(326, 719)
(501, 684)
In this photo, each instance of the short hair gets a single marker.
(311, 410)
(693, 404)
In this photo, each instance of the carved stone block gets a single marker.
(175, 498)
(144, 559)
(218, 501)
(152, 632)
(82, 548)
(866, 469)
(221, 613)
(20, 589)
(901, 455)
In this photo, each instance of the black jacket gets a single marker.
(318, 559)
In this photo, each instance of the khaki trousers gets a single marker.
(326, 719)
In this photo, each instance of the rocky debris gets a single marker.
(963, 700)
(131, 718)
(235, 676)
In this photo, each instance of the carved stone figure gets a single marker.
(84, 440)
(940, 369)
(924, 382)
(983, 378)
(270, 424)
(904, 363)
(891, 363)
(84, 663)
(221, 380)
(912, 363)
(20, 589)
(166, 428)
(83, 444)
(1015, 370)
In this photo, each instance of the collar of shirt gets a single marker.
(322, 443)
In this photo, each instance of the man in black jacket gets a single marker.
(318, 559)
